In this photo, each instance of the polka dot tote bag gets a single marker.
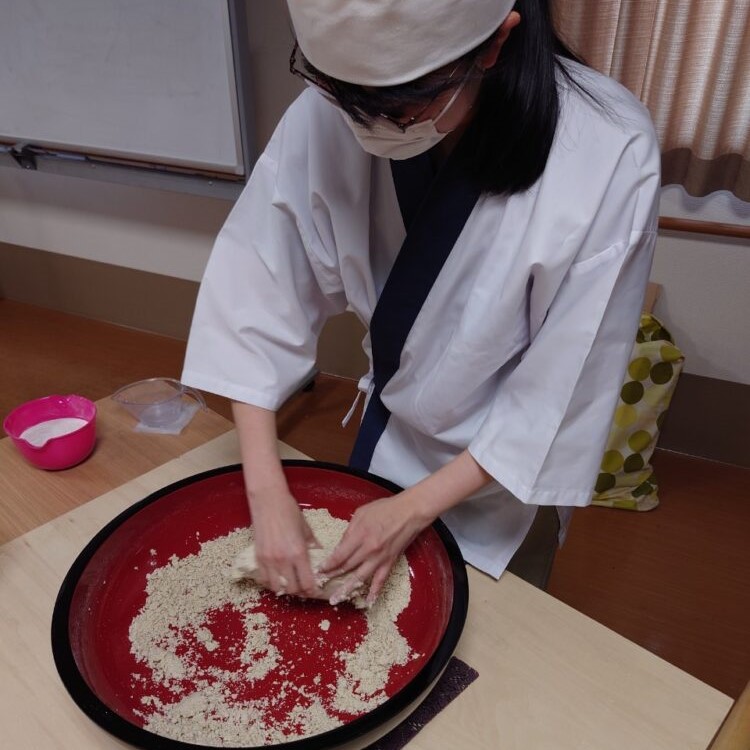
(626, 479)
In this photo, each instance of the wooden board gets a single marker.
(30, 497)
(548, 676)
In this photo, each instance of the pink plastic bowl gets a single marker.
(59, 452)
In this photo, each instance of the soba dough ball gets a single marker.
(245, 565)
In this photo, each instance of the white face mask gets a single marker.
(384, 139)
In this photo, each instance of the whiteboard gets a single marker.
(144, 80)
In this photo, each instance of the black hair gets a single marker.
(517, 109)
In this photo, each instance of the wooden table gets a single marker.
(29, 497)
(549, 677)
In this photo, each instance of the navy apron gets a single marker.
(435, 209)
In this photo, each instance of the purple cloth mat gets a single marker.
(455, 679)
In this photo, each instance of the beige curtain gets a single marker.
(689, 63)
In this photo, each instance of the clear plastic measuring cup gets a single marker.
(157, 402)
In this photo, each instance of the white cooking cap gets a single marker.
(387, 42)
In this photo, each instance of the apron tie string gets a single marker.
(352, 409)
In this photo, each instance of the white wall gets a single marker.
(705, 301)
(149, 230)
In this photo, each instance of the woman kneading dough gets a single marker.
(486, 204)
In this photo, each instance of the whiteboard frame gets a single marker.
(154, 175)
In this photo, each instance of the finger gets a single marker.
(284, 583)
(352, 583)
(378, 581)
(305, 579)
(347, 555)
(281, 578)
(261, 577)
(282, 570)
(300, 576)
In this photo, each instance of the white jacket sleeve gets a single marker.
(546, 431)
(267, 289)
(544, 437)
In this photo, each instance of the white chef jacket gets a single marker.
(519, 350)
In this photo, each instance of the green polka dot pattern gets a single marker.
(634, 462)
(640, 368)
(625, 415)
(662, 372)
(639, 441)
(670, 353)
(605, 482)
(627, 479)
(632, 392)
(612, 461)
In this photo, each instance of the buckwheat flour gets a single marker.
(199, 685)
(40, 433)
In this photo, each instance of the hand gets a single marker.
(377, 534)
(282, 541)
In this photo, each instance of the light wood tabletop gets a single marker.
(30, 497)
(548, 676)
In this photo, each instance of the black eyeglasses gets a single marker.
(295, 69)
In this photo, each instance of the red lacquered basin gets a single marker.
(106, 587)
